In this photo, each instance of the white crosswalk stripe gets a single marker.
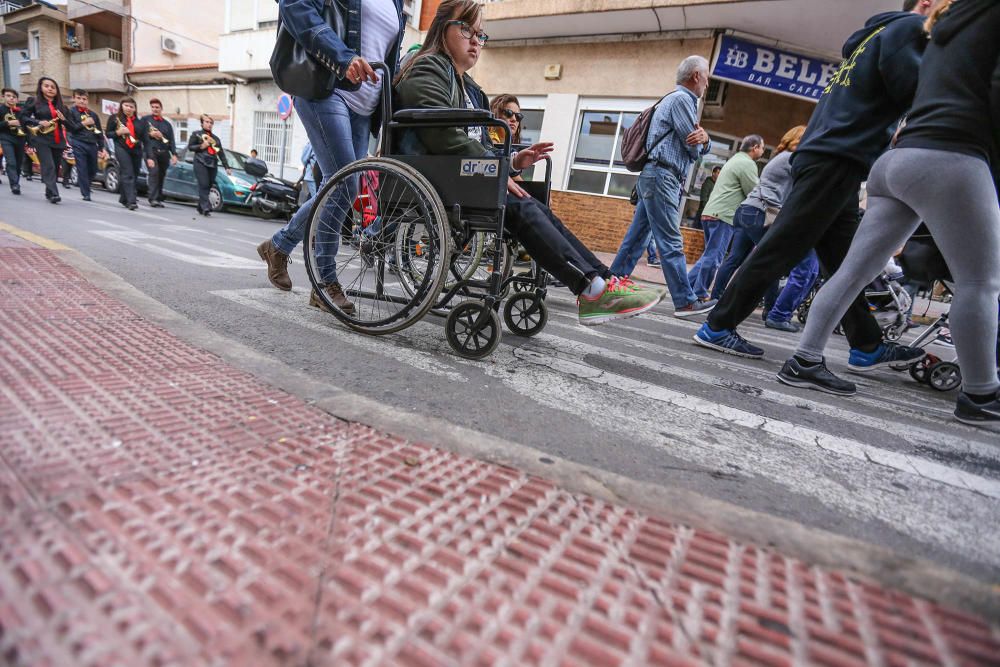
(876, 457)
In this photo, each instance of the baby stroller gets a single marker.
(885, 295)
(924, 264)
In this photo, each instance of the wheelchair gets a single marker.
(413, 234)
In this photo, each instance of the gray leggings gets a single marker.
(955, 196)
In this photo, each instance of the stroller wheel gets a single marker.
(918, 371)
(894, 332)
(944, 376)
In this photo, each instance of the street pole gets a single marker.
(284, 140)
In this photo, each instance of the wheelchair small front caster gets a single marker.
(944, 376)
(473, 329)
(525, 314)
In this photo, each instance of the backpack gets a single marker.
(633, 147)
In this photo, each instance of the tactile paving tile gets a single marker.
(160, 507)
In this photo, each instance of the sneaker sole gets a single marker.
(894, 365)
(260, 254)
(604, 319)
(725, 350)
(812, 385)
(684, 314)
(989, 424)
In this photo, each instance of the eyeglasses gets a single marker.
(466, 31)
(509, 113)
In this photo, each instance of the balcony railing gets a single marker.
(97, 70)
(7, 6)
(78, 9)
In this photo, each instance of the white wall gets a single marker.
(263, 96)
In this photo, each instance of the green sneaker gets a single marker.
(621, 299)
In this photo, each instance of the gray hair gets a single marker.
(750, 142)
(690, 65)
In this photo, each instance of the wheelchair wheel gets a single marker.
(944, 376)
(473, 329)
(918, 371)
(525, 314)
(397, 200)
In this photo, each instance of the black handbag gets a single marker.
(299, 73)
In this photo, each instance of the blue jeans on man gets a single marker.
(748, 226)
(86, 165)
(657, 213)
(718, 234)
(339, 137)
(796, 289)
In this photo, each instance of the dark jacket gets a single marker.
(153, 146)
(5, 130)
(706, 191)
(870, 92)
(79, 132)
(32, 114)
(305, 22)
(957, 107)
(138, 128)
(210, 157)
(433, 82)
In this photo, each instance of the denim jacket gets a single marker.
(304, 20)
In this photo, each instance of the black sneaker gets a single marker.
(816, 377)
(895, 356)
(985, 415)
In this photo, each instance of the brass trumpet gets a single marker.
(38, 129)
(93, 127)
(17, 130)
(163, 137)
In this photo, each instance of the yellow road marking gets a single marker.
(34, 238)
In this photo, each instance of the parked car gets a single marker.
(234, 191)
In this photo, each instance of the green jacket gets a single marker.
(430, 83)
(737, 178)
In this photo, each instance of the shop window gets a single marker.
(267, 131)
(597, 167)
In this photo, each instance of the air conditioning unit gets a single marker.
(170, 44)
(715, 96)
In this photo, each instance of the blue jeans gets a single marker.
(748, 225)
(800, 281)
(651, 250)
(657, 214)
(339, 136)
(718, 234)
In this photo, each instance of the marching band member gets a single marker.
(87, 139)
(160, 152)
(45, 115)
(208, 153)
(127, 131)
(12, 138)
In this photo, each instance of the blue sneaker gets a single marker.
(727, 341)
(895, 356)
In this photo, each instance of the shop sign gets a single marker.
(745, 62)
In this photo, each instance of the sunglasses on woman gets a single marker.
(467, 33)
(510, 113)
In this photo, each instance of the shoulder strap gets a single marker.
(669, 130)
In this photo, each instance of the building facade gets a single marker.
(244, 51)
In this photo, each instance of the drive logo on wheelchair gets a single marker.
(488, 168)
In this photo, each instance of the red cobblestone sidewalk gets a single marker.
(159, 507)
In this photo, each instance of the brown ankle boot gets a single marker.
(277, 265)
(337, 295)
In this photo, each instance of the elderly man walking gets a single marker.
(738, 179)
(674, 142)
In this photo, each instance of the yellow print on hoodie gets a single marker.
(843, 75)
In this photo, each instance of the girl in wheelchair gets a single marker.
(437, 77)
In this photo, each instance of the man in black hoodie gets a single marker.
(851, 126)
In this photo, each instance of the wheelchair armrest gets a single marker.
(458, 116)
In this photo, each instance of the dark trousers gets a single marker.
(206, 178)
(821, 212)
(13, 153)
(129, 162)
(161, 161)
(549, 243)
(50, 155)
(86, 165)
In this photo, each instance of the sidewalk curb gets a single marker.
(916, 577)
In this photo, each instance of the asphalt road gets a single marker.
(636, 398)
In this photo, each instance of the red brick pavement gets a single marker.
(159, 507)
